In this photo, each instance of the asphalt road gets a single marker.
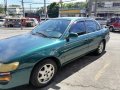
(87, 73)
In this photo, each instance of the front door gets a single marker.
(76, 46)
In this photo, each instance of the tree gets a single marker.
(40, 11)
(53, 10)
(1, 9)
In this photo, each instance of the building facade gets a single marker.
(14, 11)
(107, 8)
(71, 12)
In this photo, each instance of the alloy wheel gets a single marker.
(101, 47)
(46, 73)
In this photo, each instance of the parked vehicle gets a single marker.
(101, 20)
(15, 22)
(31, 22)
(35, 57)
(44, 19)
(2, 21)
(114, 24)
(33, 15)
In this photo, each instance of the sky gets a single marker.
(17, 2)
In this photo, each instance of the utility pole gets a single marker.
(45, 9)
(86, 8)
(89, 7)
(23, 8)
(23, 13)
(5, 7)
(60, 7)
(95, 9)
(30, 8)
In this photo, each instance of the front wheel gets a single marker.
(100, 48)
(43, 73)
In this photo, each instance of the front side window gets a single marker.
(78, 27)
(90, 26)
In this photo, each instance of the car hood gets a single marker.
(21, 45)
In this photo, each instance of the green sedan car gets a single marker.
(34, 58)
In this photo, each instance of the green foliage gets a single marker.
(40, 11)
(1, 9)
(53, 10)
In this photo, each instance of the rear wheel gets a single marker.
(111, 29)
(100, 48)
(43, 73)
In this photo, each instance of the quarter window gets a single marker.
(78, 27)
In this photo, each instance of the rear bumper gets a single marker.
(18, 78)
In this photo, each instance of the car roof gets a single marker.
(75, 18)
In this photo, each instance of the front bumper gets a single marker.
(18, 78)
(5, 78)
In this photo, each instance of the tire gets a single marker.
(43, 73)
(100, 49)
(111, 29)
(29, 25)
(11, 25)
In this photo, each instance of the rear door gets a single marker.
(93, 30)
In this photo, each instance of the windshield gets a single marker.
(52, 28)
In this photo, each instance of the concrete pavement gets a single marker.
(87, 73)
(8, 33)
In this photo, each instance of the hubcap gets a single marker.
(101, 47)
(46, 73)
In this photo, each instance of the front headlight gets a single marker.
(9, 67)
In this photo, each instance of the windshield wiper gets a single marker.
(42, 34)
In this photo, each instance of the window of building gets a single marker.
(100, 5)
(116, 4)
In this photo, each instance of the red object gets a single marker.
(38, 18)
(116, 24)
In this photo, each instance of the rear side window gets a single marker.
(78, 27)
(91, 26)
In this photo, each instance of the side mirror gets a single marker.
(71, 35)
